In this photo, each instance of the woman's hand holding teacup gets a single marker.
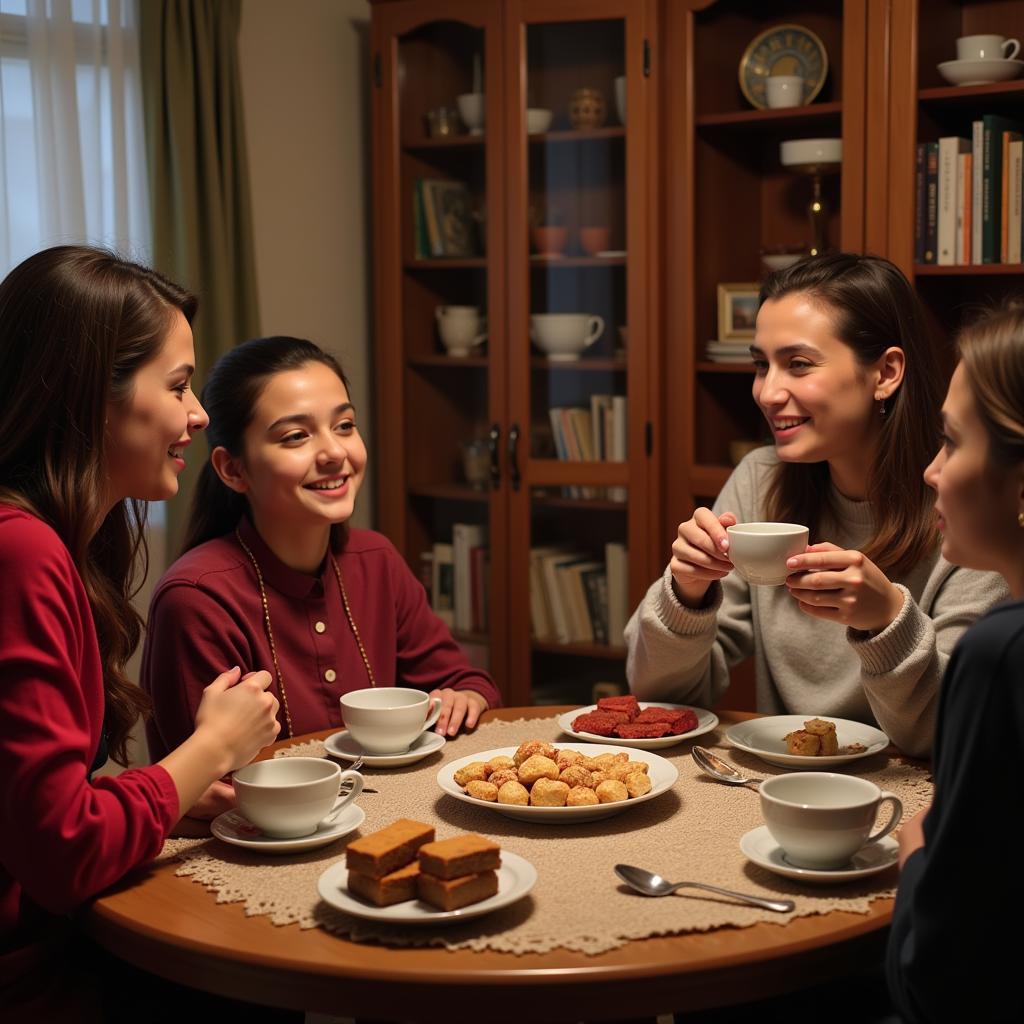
(700, 555)
(843, 586)
(458, 708)
(218, 798)
(240, 713)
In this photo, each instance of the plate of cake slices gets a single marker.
(647, 725)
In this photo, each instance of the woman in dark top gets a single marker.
(949, 955)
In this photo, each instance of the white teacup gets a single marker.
(386, 720)
(821, 819)
(986, 47)
(472, 108)
(563, 336)
(759, 550)
(289, 797)
(459, 328)
(784, 90)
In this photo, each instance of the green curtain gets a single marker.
(199, 181)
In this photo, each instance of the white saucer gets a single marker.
(516, 878)
(872, 859)
(233, 828)
(979, 72)
(343, 747)
(766, 738)
(610, 254)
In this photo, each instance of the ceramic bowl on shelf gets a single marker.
(538, 119)
(471, 109)
(979, 72)
(810, 152)
(780, 260)
(563, 336)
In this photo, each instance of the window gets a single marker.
(72, 151)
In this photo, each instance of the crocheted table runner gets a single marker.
(690, 832)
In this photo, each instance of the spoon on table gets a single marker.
(354, 767)
(650, 884)
(714, 766)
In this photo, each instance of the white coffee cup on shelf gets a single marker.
(986, 47)
(759, 550)
(387, 719)
(821, 819)
(563, 336)
(459, 328)
(288, 797)
(784, 90)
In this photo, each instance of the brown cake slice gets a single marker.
(380, 853)
(450, 894)
(397, 887)
(461, 855)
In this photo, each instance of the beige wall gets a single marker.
(305, 86)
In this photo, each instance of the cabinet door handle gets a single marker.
(513, 455)
(493, 440)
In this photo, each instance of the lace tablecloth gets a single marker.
(690, 832)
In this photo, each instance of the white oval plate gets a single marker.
(758, 846)
(765, 737)
(237, 830)
(706, 721)
(663, 775)
(516, 878)
(343, 747)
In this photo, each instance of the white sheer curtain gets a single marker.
(72, 150)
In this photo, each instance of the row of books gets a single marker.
(459, 574)
(442, 219)
(970, 195)
(597, 434)
(577, 598)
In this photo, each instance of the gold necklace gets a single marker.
(270, 631)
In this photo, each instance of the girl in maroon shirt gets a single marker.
(96, 412)
(272, 574)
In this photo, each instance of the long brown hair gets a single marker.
(992, 351)
(229, 398)
(872, 307)
(76, 324)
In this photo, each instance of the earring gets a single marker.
(881, 408)
(1020, 519)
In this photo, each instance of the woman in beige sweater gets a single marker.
(864, 626)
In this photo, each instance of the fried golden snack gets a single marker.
(483, 790)
(530, 747)
(803, 743)
(475, 772)
(564, 758)
(514, 793)
(611, 791)
(581, 796)
(496, 764)
(537, 767)
(503, 775)
(599, 777)
(637, 784)
(826, 733)
(548, 793)
(621, 769)
(575, 775)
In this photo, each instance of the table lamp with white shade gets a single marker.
(814, 157)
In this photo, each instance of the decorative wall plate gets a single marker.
(783, 50)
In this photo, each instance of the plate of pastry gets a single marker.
(629, 723)
(799, 741)
(557, 782)
(783, 50)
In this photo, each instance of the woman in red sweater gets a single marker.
(95, 415)
(274, 576)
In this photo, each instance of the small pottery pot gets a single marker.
(549, 240)
(587, 108)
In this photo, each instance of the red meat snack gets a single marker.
(686, 721)
(627, 704)
(642, 730)
(598, 722)
(658, 715)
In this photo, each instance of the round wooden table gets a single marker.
(174, 928)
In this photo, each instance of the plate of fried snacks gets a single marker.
(796, 741)
(403, 875)
(647, 726)
(554, 782)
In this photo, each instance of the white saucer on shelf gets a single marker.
(759, 847)
(979, 72)
(232, 827)
(342, 746)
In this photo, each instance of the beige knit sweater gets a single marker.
(806, 665)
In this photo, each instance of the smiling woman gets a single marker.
(272, 575)
(864, 625)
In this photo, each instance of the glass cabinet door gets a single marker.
(578, 336)
(439, 239)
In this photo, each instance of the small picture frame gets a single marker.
(737, 310)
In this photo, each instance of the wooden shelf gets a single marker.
(454, 263)
(615, 364)
(781, 118)
(582, 504)
(577, 135)
(561, 262)
(707, 366)
(445, 142)
(579, 650)
(450, 492)
(968, 270)
(450, 362)
(970, 94)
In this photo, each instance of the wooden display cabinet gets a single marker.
(525, 55)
